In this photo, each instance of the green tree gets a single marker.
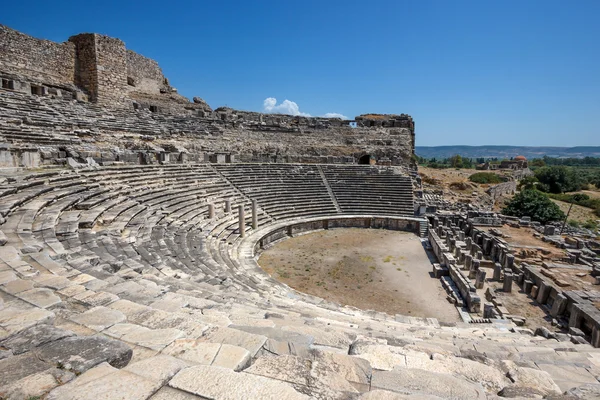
(537, 162)
(456, 161)
(558, 179)
(534, 204)
(527, 183)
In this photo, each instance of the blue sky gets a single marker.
(469, 72)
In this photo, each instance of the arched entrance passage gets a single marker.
(365, 160)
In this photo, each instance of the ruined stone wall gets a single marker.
(36, 59)
(505, 188)
(144, 74)
(112, 70)
(86, 75)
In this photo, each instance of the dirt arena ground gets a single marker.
(366, 268)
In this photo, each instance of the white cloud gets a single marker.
(335, 115)
(288, 107)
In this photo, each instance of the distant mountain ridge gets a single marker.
(507, 151)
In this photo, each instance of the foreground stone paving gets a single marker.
(124, 283)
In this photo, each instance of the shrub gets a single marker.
(485, 177)
(534, 204)
(590, 224)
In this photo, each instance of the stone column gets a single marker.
(228, 206)
(211, 211)
(559, 305)
(254, 215)
(480, 278)
(469, 243)
(509, 261)
(468, 262)
(507, 287)
(527, 286)
(241, 220)
(474, 268)
(543, 293)
(480, 255)
(488, 310)
(497, 272)
(575, 318)
(494, 252)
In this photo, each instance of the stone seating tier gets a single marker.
(116, 283)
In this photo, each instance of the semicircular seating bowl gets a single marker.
(118, 262)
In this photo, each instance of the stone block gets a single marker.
(239, 384)
(80, 353)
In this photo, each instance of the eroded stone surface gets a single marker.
(118, 385)
(78, 354)
(239, 385)
(34, 336)
(99, 318)
(416, 381)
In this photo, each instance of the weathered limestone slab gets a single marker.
(15, 368)
(36, 385)
(167, 393)
(311, 377)
(99, 298)
(588, 391)
(416, 381)
(40, 297)
(52, 281)
(568, 376)
(379, 394)
(234, 357)
(323, 337)
(14, 320)
(118, 385)
(381, 356)
(99, 318)
(34, 336)
(489, 377)
(239, 385)
(530, 378)
(249, 341)
(155, 339)
(159, 368)
(352, 369)
(193, 350)
(129, 308)
(78, 354)
(17, 286)
(7, 276)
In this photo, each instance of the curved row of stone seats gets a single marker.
(282, 190)
(103, 321)
(370, 190)
(54, 121)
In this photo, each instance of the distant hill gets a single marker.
(507, 151)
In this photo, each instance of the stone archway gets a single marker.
(365, 160)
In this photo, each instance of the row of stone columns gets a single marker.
(241, 215)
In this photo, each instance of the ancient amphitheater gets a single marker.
(131, 220)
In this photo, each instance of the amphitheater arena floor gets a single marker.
(374, 269)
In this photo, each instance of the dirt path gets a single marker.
(366, 268)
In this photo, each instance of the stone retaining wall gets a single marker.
(37, 59)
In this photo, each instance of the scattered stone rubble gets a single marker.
(467, 253)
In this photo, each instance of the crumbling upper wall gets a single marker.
(101, 67)
(144, 74)
(36, 59)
